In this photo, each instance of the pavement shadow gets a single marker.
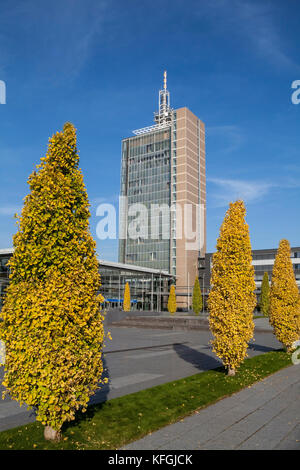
(12, 419)
(101, 394)
(198, 359)
(259, 347)
(96, 401)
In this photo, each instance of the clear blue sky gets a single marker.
(99, 64)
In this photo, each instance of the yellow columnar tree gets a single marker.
(284, 312)
(52, 320)
(232, 299)
(197, 297)
(264, 302)
(126, 300)
(172, 306)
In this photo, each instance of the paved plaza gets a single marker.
(137, 359)
(264, 416)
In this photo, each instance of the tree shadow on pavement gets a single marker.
(96, 401)
(259, 347)
(12, 419)
(198, 359)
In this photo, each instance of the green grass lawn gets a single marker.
(119, 421)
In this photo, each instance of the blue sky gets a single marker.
(99, 64)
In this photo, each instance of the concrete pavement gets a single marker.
(136, 359)
(264, 416)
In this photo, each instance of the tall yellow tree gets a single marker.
(172, 306)
(197, 297)
(52, 320)
(232, 298)
(126, 300)
(264, 302)
(284, 313)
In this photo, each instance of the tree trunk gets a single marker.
(230, 372)
(51, 434)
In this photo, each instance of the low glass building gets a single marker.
(149, 288)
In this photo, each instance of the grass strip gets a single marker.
(117, 422)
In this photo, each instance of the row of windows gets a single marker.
(269, 267)
(146, 173)
(141, 241)
(149, 148)
(147, 245)
(295, 254)
(266, 267)
(156, 235)
(149, 165)
(265, 256)
(152, 255)
(139, 159)
(146, 190)
(146, 255)
(146, 139)
(259, 277)
(148, 182)
(161, 178)
(157, 197)
(155, 264)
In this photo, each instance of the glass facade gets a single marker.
(148, 290)
(146, 179)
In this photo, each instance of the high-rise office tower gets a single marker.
(163, 209)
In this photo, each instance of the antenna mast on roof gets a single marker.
(163, 116)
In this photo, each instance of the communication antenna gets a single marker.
(164, 114)
(163, 117)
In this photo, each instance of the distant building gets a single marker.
(262, 260)
(149, 288)
(164, 164)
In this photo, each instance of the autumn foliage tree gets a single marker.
(52, 319)
(126, 300)
(172, 306)
(284, 298)
(264, 302)
(232, 299)
(197, 303)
